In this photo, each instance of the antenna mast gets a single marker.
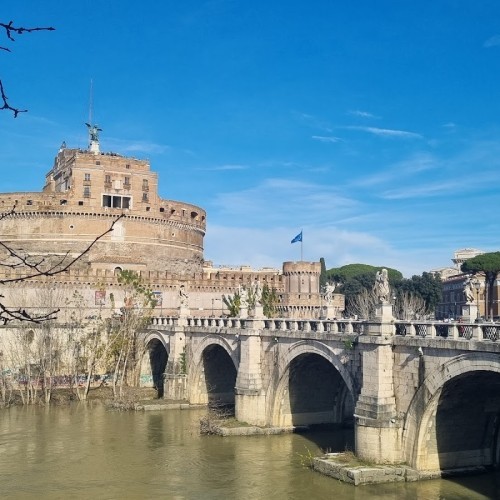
(93, 127)
(91, 100)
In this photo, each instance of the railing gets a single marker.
(418, 329)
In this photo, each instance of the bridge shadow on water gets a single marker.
(330, 438)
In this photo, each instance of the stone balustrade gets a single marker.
(422, 329)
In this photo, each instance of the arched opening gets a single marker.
(317, 393)
(467, 420)
(220, 375)
(158, 357)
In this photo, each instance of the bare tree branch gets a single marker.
(35, 269)
(5, 103)
(10, 29)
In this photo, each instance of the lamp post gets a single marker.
(477, 286)
(213, 301)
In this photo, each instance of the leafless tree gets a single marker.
(410, 306)
(363, 304)
(10, 31)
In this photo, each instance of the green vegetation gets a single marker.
(233, 304)
(269, 300)
(417, 296)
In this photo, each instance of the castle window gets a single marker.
(97, 162)
(86, 192)
(162, 209)
(145, 197)
(107, 179)
(63, 202)
(145, 185)
(80, 203)
(115, 201)
(29, 202)
(127, 166)
(87, 177)
(126, 183)
(148, 209)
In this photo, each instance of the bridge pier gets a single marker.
(250, 399)
(175, 373)
(377, 432)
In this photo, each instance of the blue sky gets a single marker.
(373, 127)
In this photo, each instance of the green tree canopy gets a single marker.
(355, 279)
(428, 286)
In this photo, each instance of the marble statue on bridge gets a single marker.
(381, 287)
(328, 290)
(469, 292)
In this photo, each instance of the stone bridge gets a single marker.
(424, 393)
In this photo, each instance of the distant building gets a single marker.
(459, 257)
(453, 298)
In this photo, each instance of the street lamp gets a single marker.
(477, 286)
(213, 311)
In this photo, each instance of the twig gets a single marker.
(10, 29)
(6, 104)
(34, 270)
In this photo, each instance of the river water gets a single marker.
(85, 451)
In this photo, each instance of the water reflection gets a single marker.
(87, 452)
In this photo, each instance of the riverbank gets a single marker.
(65, 396)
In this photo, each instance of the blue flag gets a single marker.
(297, 238)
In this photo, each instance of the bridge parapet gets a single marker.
(455, 330)
(418, 329)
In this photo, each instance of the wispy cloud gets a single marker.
(322, 138)
(362, 114)
(457, 186)
(277, 201)
(145, 147)
(225, 167)
(401, 169)
(493, 41)
(387, 132)
(312, 121)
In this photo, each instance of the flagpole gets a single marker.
(301, 247)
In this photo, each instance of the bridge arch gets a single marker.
(154, 361)
(453, 420)
(314, 387)
(213, 370)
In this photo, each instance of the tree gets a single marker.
(233, 304)
(269, 301)
(137, 309)
(10, 30)
(362, 304)
(489, 265)
(428, 287)
(356, 284)
(409, 306)
(323, 277)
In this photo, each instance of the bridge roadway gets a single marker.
(424, 393)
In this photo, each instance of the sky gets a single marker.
(372, 127)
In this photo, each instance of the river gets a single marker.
(85, 451)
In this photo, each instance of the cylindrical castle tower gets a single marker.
(301, 277)
(84, 193)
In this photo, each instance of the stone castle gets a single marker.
(85, 192)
